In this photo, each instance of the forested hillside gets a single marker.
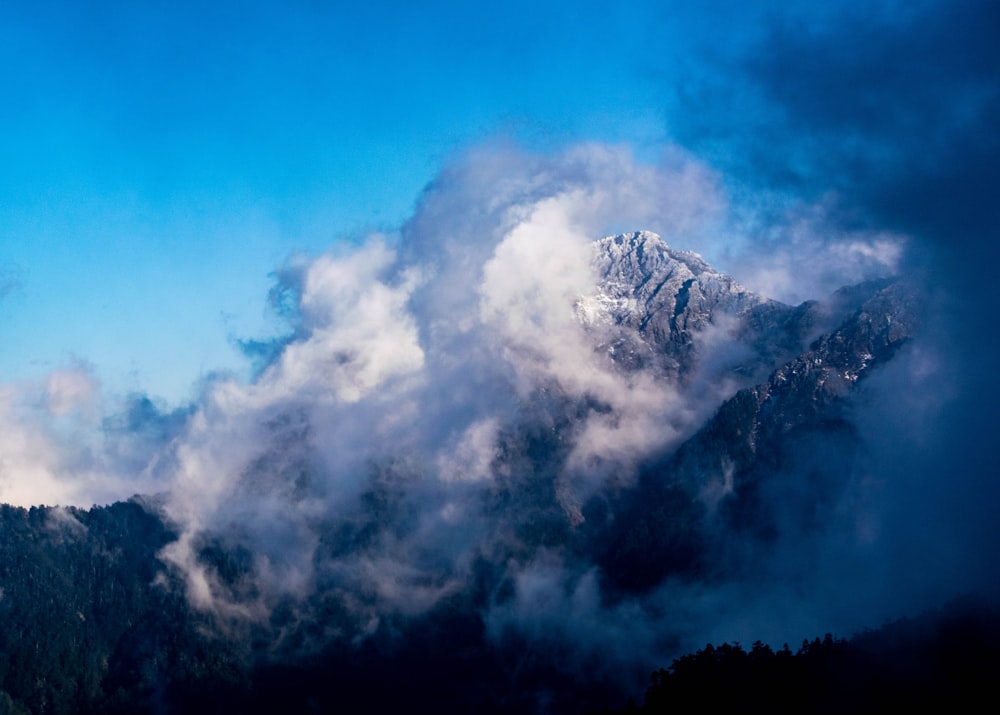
(88, 620)
(942, 661)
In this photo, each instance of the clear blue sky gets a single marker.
(159, 159)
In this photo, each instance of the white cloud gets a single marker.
(802, 254)
(67, 390)
(52, 449)
(359, 332)
(412, 359)
(424, 351)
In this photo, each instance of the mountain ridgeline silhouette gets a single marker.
(685, 456)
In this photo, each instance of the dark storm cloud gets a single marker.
(902, 114)
(890, 115)
(909, 111)
(895, 112)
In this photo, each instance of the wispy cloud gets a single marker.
(411, 362)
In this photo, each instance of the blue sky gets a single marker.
(159, 160)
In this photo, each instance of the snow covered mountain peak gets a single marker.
(643, 277)
(645, 249)
(652, 302)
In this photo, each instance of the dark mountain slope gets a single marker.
(398, 609)
(758, 438)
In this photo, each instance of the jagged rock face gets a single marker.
(661, 291)
(652, 302)
(784, 375)
(663, 309)
(804, 390)
(790, 428)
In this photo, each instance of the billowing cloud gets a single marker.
(359, 332)
(53, 449)
(422, 350)
(446, 416)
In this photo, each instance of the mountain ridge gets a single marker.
(393, 564)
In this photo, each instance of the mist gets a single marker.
(439, 399)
